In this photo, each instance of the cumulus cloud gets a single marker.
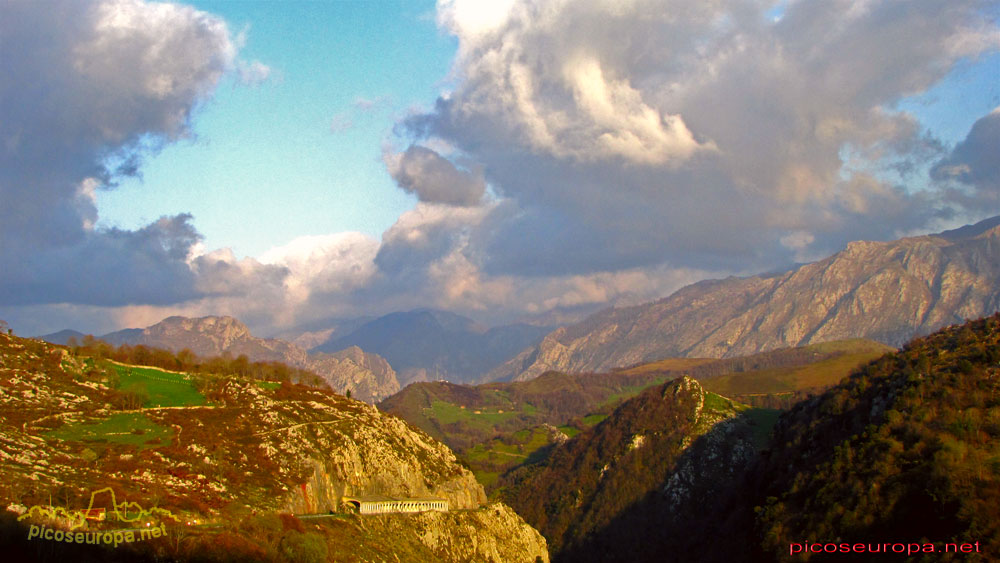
(713, 138)
(434, 179)
(89, 89)
(336, 263)
(629, 148)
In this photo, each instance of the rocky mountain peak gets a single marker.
(884, 291)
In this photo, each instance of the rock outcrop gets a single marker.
(649, 465)
(492, 534)
(884, 291)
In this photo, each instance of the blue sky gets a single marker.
(265, 166)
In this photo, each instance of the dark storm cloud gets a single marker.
(113, 267)
(434, 179)
(976, 160)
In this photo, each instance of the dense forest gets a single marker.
(907, 450)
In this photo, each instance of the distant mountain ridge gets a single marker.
(368, 377)
(884, 291)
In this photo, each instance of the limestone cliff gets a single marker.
(492, 534)
(368, 377)
(884, 291)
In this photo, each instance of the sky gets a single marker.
(295, 163)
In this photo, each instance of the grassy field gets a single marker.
(669, 364)
(483, 417)
(589, 420)
(164, 388)
(824, 373)
(124, 428)
(503, 454)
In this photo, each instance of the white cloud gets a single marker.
(659, 132)
(629, 147)
(252, 73)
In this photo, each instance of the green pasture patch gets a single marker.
(569, 430)
(124, 428)
(588, 421)
(165, 389)
(488, 417)
(773, 381)
(720, 403)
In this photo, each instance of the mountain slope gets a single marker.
(462, 415)
(902, 456)
(884, 291)
(235, 447)
(906, 450)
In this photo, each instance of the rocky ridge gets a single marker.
(674, 443)
(884, 291)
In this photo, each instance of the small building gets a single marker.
(377, 504)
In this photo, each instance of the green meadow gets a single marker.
(480, 417)
(134, 429)
(844, 357)
(163, 388)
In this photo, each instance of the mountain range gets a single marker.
(366, 376)
(883, 291)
